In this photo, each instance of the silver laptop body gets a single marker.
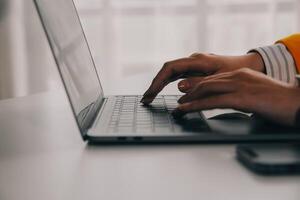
(122, 119)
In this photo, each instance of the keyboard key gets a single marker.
(129, 115)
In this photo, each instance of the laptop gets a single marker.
(122, 119)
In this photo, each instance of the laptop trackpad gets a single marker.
(222, 122)
(224, 114)
(230, 122)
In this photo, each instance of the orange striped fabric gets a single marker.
(293, 45)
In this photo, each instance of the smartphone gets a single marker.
(270, 159)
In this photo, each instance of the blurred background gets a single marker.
(130, 40)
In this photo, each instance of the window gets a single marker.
(131, 39)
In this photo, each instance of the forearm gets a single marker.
(254, 61)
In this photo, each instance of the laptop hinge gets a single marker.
(91, 116)
(99, 113)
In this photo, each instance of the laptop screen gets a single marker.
(72, 55)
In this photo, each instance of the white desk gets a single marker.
(42, 157)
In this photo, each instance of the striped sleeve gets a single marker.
(279, 63)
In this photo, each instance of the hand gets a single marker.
(244, 90)
(205, 64)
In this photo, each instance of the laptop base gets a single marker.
(123, 119)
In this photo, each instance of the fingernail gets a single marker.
(183, 85)
(145, 100)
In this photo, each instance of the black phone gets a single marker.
(270, 159)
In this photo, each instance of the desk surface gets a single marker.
(42, 156)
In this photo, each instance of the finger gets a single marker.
(224, 75)
(194, 55)
(190, 74)
(171, 71)
(207, 88)
(187, 84)
(212, 102)
(164, 76)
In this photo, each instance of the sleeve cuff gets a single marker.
(279, 63)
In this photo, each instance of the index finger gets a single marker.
(170, 72)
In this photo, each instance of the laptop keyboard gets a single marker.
(129, 115)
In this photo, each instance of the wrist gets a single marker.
(255, 62)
